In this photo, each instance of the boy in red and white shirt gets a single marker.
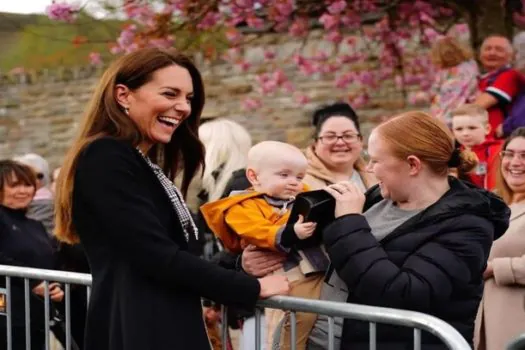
(471, 127)
(500, 85)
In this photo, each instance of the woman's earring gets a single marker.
(126, 110)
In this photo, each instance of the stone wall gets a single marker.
(39, 111)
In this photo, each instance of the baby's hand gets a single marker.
(302, 229)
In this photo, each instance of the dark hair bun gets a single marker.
(468, 160)
(339, 109)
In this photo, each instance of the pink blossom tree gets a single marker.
(376, 31)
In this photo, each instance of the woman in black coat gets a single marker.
(73, 259)
(420, 241)
(115, 193)
(23, 242)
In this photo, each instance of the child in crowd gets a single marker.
(470, 124)
(259, 216)
(212, 318)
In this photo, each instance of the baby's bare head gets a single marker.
(269, 154)
(276, 168)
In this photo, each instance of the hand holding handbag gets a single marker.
(315, 206)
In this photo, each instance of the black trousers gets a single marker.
(19, 338)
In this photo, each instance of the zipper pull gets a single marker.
(285, 205)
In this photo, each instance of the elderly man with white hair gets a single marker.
(500, 84)
(42, 206)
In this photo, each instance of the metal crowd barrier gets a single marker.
(419, 321)
(373, 315)
(65, 278)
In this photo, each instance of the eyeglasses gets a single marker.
(508, 155)
(331, 139)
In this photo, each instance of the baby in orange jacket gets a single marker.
(259, 216)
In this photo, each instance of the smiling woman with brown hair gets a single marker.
(501, 317)
(335, 153)
(23, 242)
(418, 241)
(116, 194)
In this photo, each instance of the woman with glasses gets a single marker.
(335, 154)
(418, 241)
(501, 315)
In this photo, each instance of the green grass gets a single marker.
(35, 42)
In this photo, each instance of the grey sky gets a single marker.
(39, 6)
(24, 6)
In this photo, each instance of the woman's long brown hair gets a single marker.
(105, 117)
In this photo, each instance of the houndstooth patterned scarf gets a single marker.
(182, 211)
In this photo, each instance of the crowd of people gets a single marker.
(431, 220)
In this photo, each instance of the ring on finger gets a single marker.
(339, 188)
(349, 188)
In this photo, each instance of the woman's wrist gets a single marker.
(347, 215)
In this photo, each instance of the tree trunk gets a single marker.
(487, 17)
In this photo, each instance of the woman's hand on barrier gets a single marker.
(349, 199)
(55, 291)
(274, 285)
(39, 289)
(259, 263)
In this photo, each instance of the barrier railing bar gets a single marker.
(8, 311)
(50, 275)
(373, 335)
(439, 328)
(293, 333)
(331, 335)
(27, 313)
(68, 316)
(257, 329)
(412, 319)
(46, 313)
(417, 339)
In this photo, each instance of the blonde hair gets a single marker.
(448, 52)
(38, 163)
(227, 144)
(471, 110)
(258, 156)
(419, 134)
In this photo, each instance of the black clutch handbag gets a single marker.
(315, 206)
